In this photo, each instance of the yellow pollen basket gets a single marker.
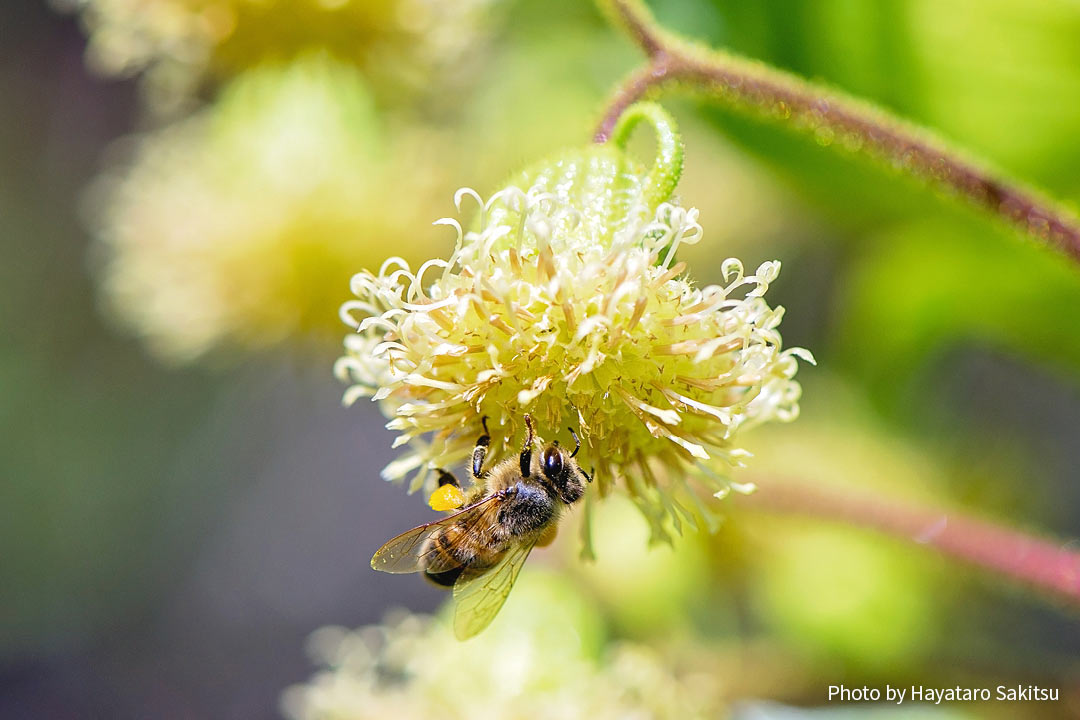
(446, 497)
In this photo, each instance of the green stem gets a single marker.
(836, 119)
(664, 175)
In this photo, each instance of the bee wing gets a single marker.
(406, 552)
(480, 593)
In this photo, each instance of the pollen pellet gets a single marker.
(447, 497)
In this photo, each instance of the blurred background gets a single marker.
(187, 185)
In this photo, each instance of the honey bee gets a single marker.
(479, 549)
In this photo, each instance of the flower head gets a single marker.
(228, 230)
(567, 302)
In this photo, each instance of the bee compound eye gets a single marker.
(553, 464)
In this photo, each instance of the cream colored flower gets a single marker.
(238, 228)
(404, 46)
(537, 662)
(566, 302)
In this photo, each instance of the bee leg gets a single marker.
(548, 536)
(577, 443)
(448, 495)
(480, 451)
(447, 478)
(526, 452)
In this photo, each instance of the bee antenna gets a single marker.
(529, 428)
(577, 443)
(483, 421)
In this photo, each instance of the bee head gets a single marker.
(562, 473)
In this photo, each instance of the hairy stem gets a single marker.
(1038, 562)
(835, 119)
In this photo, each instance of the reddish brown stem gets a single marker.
(834, 118)
(1039, 562)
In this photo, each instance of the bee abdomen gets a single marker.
(446, 578)
(451, 552)
(446, 556)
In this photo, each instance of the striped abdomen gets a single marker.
(448, 552)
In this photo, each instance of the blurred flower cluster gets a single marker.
(234, 227)
(239, 227)
(405, 48)
(543, 658)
